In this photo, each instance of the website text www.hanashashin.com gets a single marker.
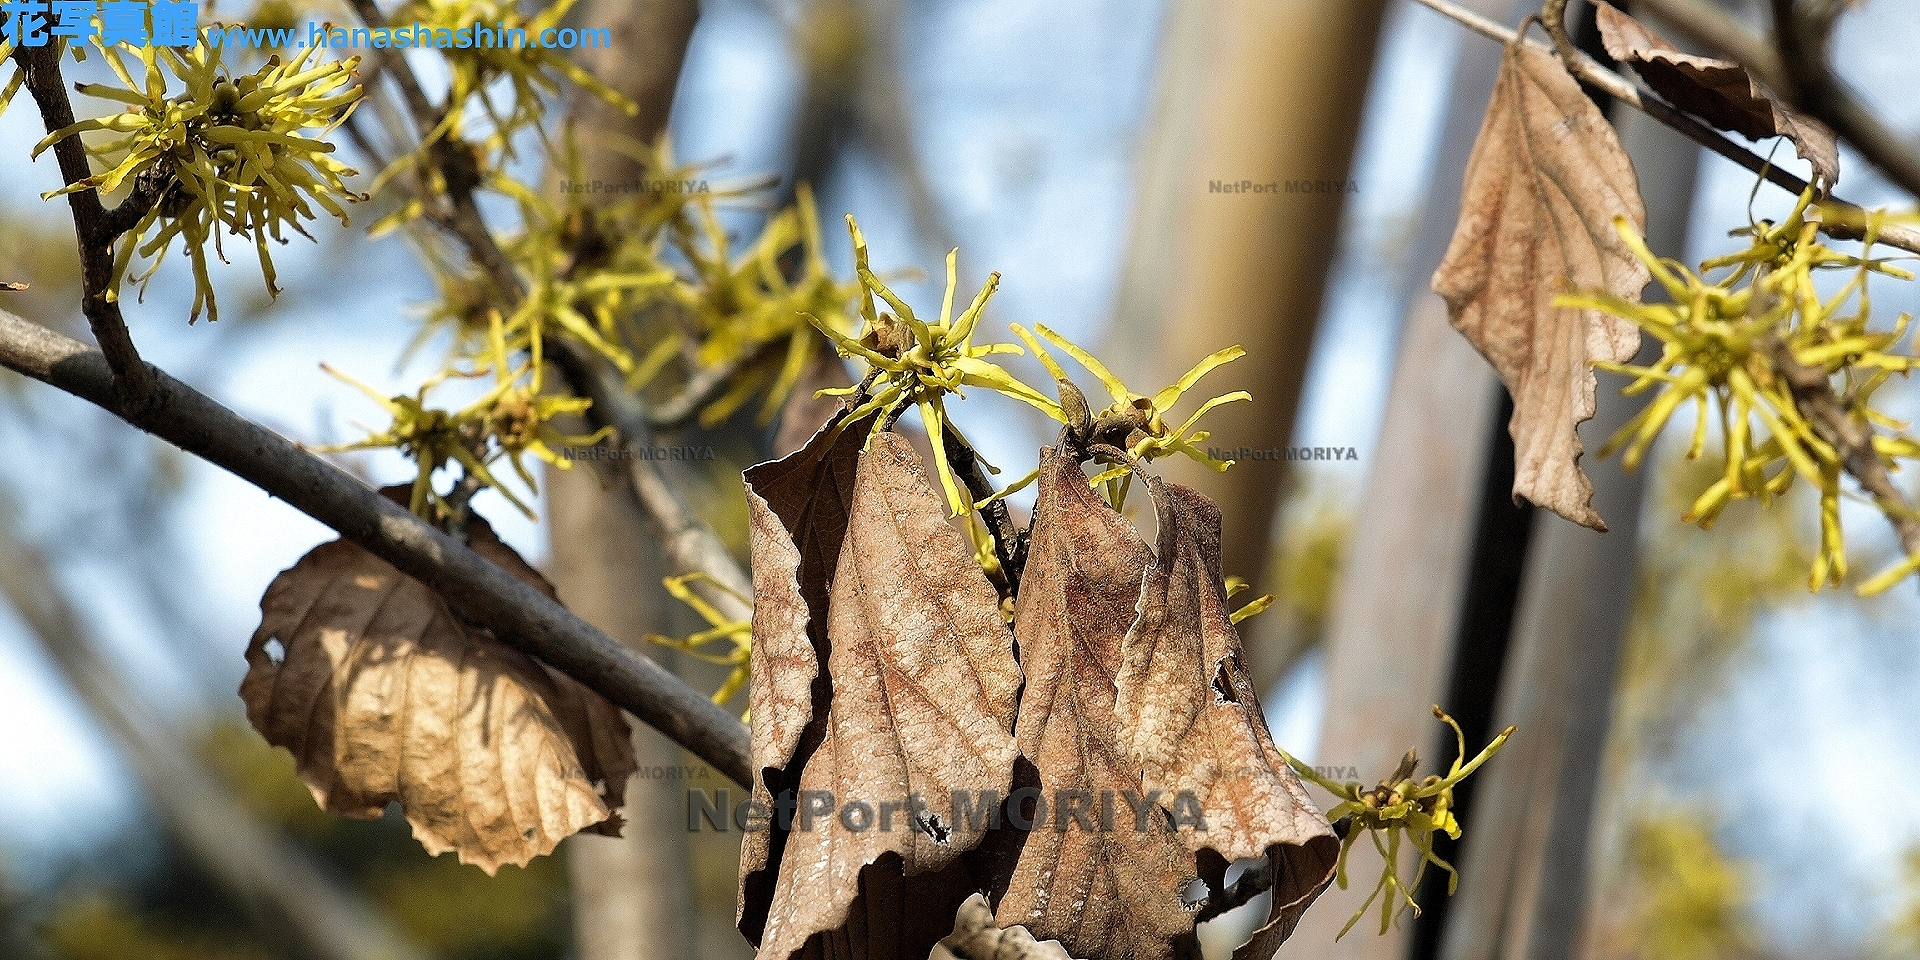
(175, 23)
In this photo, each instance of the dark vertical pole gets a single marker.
(1492, 596)
(1480, 652)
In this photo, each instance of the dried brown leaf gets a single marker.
(385, 694)
(1102, 893)
(1720, 92)
(797, 520)
(1135, 691)
(1546, 179)
(920, 700)
(8, 285)
(1191, 719)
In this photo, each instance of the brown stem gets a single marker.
(1553, 16)
(1799, 70)
(95, 230)
(517, 613)
(1626, 91)
(1009, 541)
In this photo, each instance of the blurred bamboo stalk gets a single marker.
(632, 897)
(1266, 92)
(1402, 590)
(256, 866)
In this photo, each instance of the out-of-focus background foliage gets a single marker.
(1754, 790)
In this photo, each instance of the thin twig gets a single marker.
(95, 229)
(1553, 16)
(688, 544)
(705, 386)
(1807, 83)
(1009, 541)
(517, 613)
(1626, 91)
(1811, 85)
(457, 166)
(1719, 32)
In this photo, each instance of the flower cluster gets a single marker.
(1728, 346)
(223, 155)
(527, 75)
(1135, 424)
(510, 421)
(916, 363)
(1397, 806)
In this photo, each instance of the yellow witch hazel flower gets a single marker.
(916, 363)
(1721, 341)
(14, 81)
(1136, 423)
(511, 420)
(532, 68)
(739, 633)
(1400, 805)
(749, 311)
(223, 155)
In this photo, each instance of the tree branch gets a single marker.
(1812, 86)
(1798, 70)
(95, 229)
(517, 613)
(1626, 91)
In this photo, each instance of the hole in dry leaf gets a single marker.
(1223, 683)
(276, 651)
(1193, 894)
(932, 827)
(526, 834)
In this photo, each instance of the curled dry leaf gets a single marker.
(918, 702)
(1193, 720)
(1136, 693)
(1720, 92)
(1546, 179)
(797, 519)
(7, 285)
(384, 693)
(1101, 893)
